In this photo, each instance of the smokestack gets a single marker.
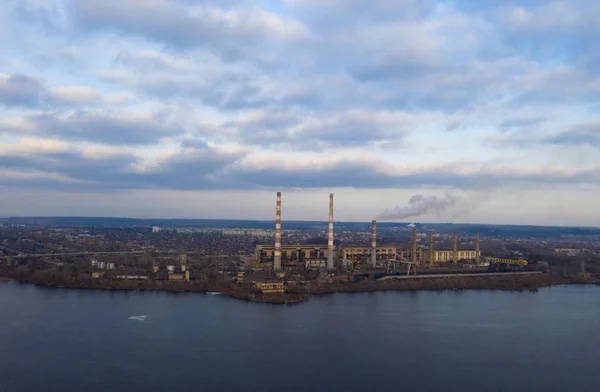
(413, 256)
(373, 243)
(277, 259)
(330, 237)
(477, 248)
(454, 249)
(431, 252)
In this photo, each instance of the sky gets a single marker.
(207, 108)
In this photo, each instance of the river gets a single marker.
(79, 340)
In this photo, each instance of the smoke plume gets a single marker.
(419, 205)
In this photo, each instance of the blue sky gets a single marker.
(181, 108)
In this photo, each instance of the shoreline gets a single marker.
(502, 283)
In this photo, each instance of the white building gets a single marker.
(155, 229)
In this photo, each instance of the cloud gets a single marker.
(351, 128)
(295, 94)
(182, 25)
(520, 123)
(205, 166)
(76, 95)
(25, 91)
(588, 133)
(97, 126)
(20, 90)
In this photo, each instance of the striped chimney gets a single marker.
(373, 243)
(431, 251)
(477, 247)
(454, 249)
(277, 259)
(413, 255)
(330, 247)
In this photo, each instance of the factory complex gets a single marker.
(280, 257)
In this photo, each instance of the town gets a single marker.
(276, 265)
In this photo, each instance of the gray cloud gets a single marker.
(24, 91)
(74, 170)
(520, 123)
(20, 90)
(102, 127)
(352, 128)
(179, 25)
(203, 166)
(579, 134)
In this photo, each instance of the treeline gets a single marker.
(70, 279)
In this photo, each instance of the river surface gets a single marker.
(80, 340)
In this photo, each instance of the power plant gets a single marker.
(323, 257)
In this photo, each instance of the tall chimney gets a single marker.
(431, 252)
(277, 259)
(477, 247)
(374, 243)
(413, 256)
(330, 236)
(454, 250)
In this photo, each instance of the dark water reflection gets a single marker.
(64, 340)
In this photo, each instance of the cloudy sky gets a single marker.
(206, 108)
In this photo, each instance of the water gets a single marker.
(69, 340)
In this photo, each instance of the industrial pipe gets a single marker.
(330, 248)
(277, 258)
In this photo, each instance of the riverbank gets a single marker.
(294, 295)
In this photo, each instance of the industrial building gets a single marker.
(292, 255)
(313, 256)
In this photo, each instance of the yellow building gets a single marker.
(270, 287)
(443, 256)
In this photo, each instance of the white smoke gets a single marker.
(419, 205)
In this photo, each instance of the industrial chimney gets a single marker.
(413, 256)
(373, 243)
(330, 236)
(277, 258)
(431, 252)
(477, 248)
(454, 249)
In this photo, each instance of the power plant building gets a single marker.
(317, 256)
(292, 255)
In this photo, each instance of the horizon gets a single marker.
(325, 222)
(457, 111)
